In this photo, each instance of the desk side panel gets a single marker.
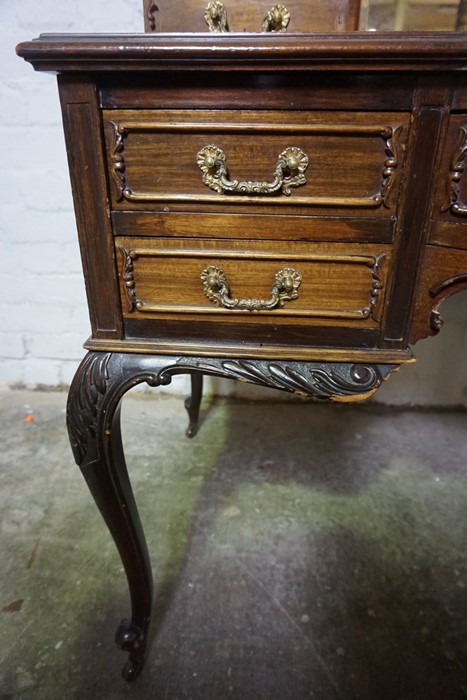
(443, 269)
(82, 126)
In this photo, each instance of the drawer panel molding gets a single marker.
(153, 160)
(157, 276)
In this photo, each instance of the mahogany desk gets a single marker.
(287, 210)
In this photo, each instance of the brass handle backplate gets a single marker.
(289, 172)
(215, 16)
(284, 288)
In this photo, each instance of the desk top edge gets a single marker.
(402, 50)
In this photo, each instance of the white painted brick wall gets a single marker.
(42, 286)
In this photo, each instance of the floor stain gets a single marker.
(33, 556)
(14, 606)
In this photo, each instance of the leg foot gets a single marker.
(132, 668)
(193, 402)
(130, 638)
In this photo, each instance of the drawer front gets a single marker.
(294, 163)
(255, 283)
(250, 16)
(451, 190)
(449, 215)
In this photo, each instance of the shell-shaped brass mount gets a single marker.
(277, 19)
(215, 16)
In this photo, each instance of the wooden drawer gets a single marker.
(450, 202)
(449, 214)
(249, 15)
(294, 163)
(252, 282)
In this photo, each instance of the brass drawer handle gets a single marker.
(215, 16)
(284, 288)
(290, 166)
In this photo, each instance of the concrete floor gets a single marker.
(299, 551)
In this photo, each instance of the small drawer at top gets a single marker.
(276, 162)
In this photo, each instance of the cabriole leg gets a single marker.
(94, 427)
(93, 418)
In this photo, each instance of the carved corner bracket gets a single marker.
(440, 292)
(103, 378)
(324, 381)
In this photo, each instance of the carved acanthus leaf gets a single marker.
(391, 137)
(377, 286)
(84, 402)
(128, 278)
(453, 182)
(151, 15)
(327, 381)
(118, 159)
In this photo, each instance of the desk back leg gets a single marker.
(193, 402)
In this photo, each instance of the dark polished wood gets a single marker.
(348, 52)
(288, 210)
(93, 418)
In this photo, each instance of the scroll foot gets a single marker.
(130, 637)
(132, 668)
